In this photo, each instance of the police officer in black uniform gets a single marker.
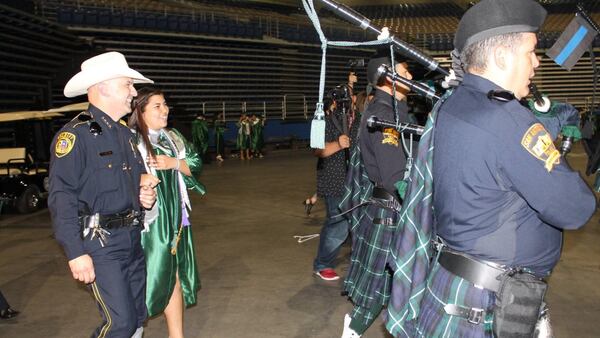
(502, 193)
(98, 191)
(384, 158)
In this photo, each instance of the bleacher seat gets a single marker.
(150, 20)
(129, 20)
(90, 17)
(161, 22)
(184, 23)
(173, 23)
(65, 15)
(116, 18)
(78, 16)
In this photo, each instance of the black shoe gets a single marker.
(8, 313)
(307, 206)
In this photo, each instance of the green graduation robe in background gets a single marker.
(256, 136)
(161, 265)
(219, 136)
(200, 136)
(243, 138)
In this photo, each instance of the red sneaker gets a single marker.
(327, 274)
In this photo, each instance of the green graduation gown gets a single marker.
(200, 136)
(243, 138)
(157, 242)
(219, 136)
(256, 135)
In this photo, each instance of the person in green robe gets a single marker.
(243, 137)
(256, 135)
(200, 135)
(219, 125)
(172, 278)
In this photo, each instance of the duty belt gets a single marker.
(381, 197)
(99, 225)
(478, 272)
(113, 221)
(386, 199)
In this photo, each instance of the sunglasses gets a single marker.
(95, 128)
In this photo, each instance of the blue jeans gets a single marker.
(333, 234)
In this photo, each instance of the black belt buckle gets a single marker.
(383, 221)
(472, 315)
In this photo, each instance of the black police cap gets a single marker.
(496, 17)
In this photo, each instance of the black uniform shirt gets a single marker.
(381, 150)
(501, 191)
(91, 173)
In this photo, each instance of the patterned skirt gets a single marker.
(444, 288)
(369, 277)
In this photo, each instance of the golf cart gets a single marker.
(24, 156)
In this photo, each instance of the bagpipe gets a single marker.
(557, 117)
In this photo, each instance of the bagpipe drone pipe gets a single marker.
(542, 106)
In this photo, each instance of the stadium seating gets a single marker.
(255, 53)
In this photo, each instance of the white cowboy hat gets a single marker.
(100, 68)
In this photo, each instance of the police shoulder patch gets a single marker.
(537, 142)
(390, 136)
(64, 144)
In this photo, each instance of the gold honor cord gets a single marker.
(175, 242)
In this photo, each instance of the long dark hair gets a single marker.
(136, 121)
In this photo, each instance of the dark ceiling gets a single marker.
(359, 2)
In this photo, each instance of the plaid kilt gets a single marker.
(444, 288)
(369, 277)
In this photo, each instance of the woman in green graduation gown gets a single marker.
(243, 137)
(219, 125)
(256, 135)
(200, 135)
(172, 275)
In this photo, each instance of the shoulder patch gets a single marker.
(390, 136)
(537, 142)
(64, 144)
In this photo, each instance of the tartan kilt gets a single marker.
(369, 278)
(444, 288)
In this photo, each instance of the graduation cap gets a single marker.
(573, 42)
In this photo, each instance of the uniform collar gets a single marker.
(386, 98)
(478, 83)
(102, 117)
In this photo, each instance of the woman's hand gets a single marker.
(163, 162)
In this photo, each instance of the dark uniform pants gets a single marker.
(3, 303)
(120, 284)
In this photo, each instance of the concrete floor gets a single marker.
(256, 279)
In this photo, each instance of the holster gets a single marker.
(519, 302)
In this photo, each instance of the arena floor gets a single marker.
(256, 279)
